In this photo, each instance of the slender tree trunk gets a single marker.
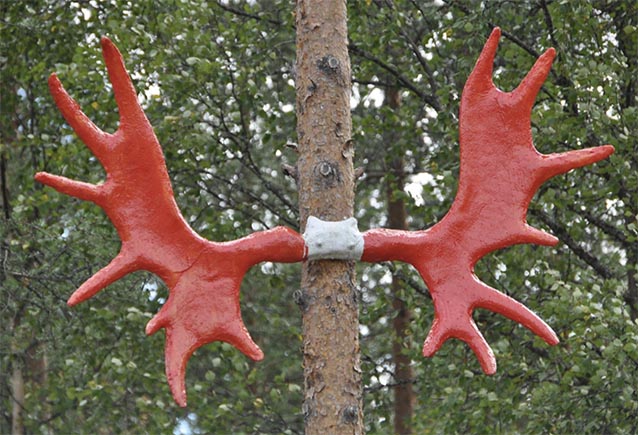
(4, 188)
(631, 295)
(17, 385)
(17, 374)
(332, 400)
(17, 393)
(404, 397)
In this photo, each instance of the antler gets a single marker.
(499, 174)
(203, 276)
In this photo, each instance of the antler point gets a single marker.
(54, 82)
(490, 370)
(73, 300)
(550, 54)
(258, 356)
(540, 237)
(155, 324)
(609, 149)
(105, 40)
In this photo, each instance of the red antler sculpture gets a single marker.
(500, 172)
(203, 277)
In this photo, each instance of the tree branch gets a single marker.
(505, 33)
(245, 14)
(401, 79)
(562, 233)
(605, 227)
(549, 22)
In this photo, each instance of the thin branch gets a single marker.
(505, 33)
(401, 79)
(562, 233)
(428, 71)
(245, 14)
(371, 389)
(416, 285)
(376, 83)
(605, 227)
(549, 22)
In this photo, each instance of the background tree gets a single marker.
(217, 83)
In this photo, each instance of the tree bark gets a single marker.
(17, 395)
(404, 397)
(332, 375)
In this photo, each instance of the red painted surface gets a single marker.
(203, 276)
(499, 174)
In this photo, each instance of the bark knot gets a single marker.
(327, 175)
(350, 414)
(328, 64)
(331, 67)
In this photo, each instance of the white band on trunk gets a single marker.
(333, 240)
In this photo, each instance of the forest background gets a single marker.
(216, 80)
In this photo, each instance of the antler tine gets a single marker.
(77, 189)
(125, 95)
(481, 76)
(190, 322)
(476, 294)
(180, 345)
(474, 338)
(444, 329)
(530, 234)
(120, 266)
(530, 86)
(498, 302)
(178, 349)
(89, 133)
(559, 163)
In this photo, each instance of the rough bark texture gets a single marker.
(404, 397)
(332, 401)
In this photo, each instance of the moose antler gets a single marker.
(499, 174)
(203, 276)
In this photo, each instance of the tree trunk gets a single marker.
(17, 374)
(17, 384)
(17, 396)
(332, 400)
(404, 397)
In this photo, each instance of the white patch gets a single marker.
(333, 240)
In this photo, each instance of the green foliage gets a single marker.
(217, 83)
